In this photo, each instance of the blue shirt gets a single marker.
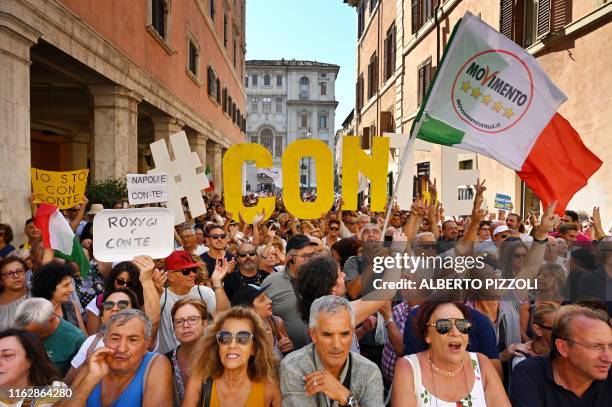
(482, 336)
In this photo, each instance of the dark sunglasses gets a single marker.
(251, 253)
(121, 304)
(444, 326)
(187, 272)
(242, 337)
(334, 228)
(504, 236)
(221, 236)
(121, 282)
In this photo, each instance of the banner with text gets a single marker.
(122, 234)
(63, 189)
(503, 202)
(147, 188)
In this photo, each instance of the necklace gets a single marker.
(433, 377)
(442, 372)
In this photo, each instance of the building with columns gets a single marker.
(398, 45)
(91, 86)
(289, 100)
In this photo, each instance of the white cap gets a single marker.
(500, 229)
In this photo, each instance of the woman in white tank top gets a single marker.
(446, 375)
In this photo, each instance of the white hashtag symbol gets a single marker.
(184, 166)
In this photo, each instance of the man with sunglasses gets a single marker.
(333, 232)
(282, 288)
(247, 271)
(182, 270)
(216, 239)
(577, 370)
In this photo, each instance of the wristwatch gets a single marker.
(387, 322)
(350, 402)
(215, 287)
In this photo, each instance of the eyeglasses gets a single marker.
(221, 236)
(519, 255)
(334, 228)
(598, 347)
(504, 236)
(121, 282)
(14, 273)
(242, 337)
(306, 256)
(545, 327)
(251, 253)
(445, 325)
(191, 321)
(187, 272)
(121, 304)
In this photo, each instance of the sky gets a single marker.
(316, 30)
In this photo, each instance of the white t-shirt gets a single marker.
(167, 340)
(200, 249)
(93, 307)
(81, 355)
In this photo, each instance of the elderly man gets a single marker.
(123, 373)
(190, 241)
(577, 371)
(326, 372)
(61, 339)
(300, 249)
(355, 265)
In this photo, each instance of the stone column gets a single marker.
(16, 38)
(213, 158)
(114, 131)
(198, 142)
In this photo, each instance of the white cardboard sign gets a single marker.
(147, 188)
(122, 234)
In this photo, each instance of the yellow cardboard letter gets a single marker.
(375, 167)
(291, 178)
(233, 161)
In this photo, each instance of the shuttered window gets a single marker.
(373, 76)
(544, 16)
(158, 16)
(366, 142)
(359, 93)
(389, 62)
(423, 80)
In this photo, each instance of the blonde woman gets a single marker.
(235, 366)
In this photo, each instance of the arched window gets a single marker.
(266, 139)
(304, 88)
(266, 80)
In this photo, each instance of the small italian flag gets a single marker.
(491, 97)
(211, 184)
(57, 235)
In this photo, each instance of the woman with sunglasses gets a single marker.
(190, 320)
(112, 302)
(123, 275)
(13, 289)
(543, 320)
(235, 366)
(445, 374)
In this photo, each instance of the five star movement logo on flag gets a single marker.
(485, 98)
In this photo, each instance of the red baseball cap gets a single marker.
(180, 260)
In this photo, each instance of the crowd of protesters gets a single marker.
(281, 311)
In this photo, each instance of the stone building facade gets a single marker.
(289, 100)
(91, 86)
(397, 50)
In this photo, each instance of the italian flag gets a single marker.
(57, 235)
(490, 96)
(211, 184)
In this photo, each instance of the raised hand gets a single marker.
(145, 265)
(97, 364)
(221, 270)
(433, 190)
(547, 222)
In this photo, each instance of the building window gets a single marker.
(267, 105)
(212, 82)
(303, 120)
(465, 193)
(323, 86)
(466, 165)
(233, 112)
(225, 30)
(237, 117)
(229, 106)
(254, 80)
(360, 19)
(359, 93)
(218, 91)
(158, 16)
(278, 146)
(254, 105)
(279, 104)
(279, 80)
(373, 75)
(266, 139)
(423, 78)
(323, 121)
(304, 88)
(224, 100)
(193, 58)
(212, 9)
(266, 80)
(389, 65)
(246, 81)
(422, 10)
(234, 54)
